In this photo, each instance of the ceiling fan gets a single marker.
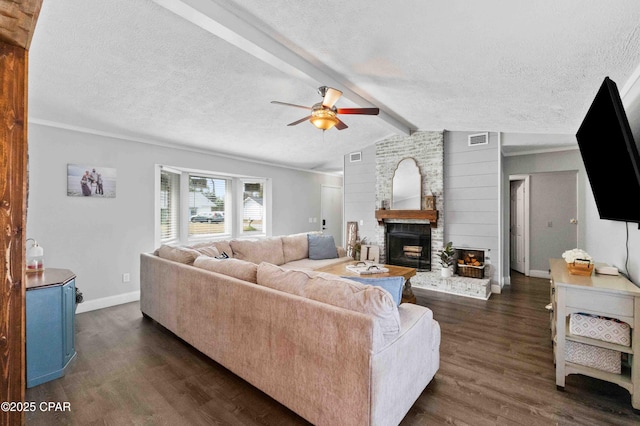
(323, 114)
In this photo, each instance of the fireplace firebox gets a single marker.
(409, 244)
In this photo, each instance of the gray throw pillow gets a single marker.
(322, 247)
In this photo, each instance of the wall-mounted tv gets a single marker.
(610, 156)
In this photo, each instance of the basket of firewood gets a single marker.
(470, 266)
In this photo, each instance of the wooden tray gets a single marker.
(580, 268)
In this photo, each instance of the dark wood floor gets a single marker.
(496, 369)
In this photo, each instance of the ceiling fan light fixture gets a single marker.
(323, 119)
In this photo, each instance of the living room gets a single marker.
(141, 97)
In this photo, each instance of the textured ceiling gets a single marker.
(135, 69)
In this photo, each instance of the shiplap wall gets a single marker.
(471, 194)
(360, 192)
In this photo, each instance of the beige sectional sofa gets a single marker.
(335, 351)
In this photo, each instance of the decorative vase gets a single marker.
(446, 272)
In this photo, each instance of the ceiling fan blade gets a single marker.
(340, 124)
(288, 104)
(364, 111)
(331, 96)
(299, 121)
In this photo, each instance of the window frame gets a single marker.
(228, 201)
(265, 200)
(233, 211)
(175, 198)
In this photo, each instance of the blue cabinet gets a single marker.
(50, 315)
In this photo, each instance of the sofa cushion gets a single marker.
(314, 264)
(295, 247)
(393, 285)
(180, 254)
(322, 247)
(256, 251)
(220, 246)
(208, 251)
(236, 268)
(336, 291)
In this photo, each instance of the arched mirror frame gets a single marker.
(414, 194)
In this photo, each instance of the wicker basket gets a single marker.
(471, 271)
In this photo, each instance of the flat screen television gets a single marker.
(610, 156)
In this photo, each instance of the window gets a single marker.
(253, 217)
(200, 205)
(169, 206)
(207, 206)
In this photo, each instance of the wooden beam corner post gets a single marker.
(17, 24)
(13, 192)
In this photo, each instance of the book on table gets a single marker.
(362, 269)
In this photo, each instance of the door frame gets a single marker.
(526, 215)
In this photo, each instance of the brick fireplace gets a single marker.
(427, 148)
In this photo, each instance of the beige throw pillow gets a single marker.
(180, 254)
(208, 251)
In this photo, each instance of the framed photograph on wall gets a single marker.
(91, 181)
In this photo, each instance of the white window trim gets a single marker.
(157, 217)
(233, 210)
(266, 198)
(227, 234)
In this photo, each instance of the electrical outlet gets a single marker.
(126, 277)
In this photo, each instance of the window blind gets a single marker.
(169, 206)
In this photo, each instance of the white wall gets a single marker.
(100, 239)
(605, 240)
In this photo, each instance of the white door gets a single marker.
(331, 214)
(517, 226)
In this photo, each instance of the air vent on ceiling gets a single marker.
(355, 156)
(479, 139)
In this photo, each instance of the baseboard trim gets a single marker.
(105, 302)
(539, 274)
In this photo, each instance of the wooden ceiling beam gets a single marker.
(213, 17)
(18, 21)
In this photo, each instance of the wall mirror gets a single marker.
(407, 186)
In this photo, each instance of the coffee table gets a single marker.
(394, 271)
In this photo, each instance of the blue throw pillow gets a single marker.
(322, 247)
(393, 285)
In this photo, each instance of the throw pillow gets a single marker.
(393, 285)
(208, 251)
(236, 268)
(322, 247)
(178, 254)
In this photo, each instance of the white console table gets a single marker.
(604, 295)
